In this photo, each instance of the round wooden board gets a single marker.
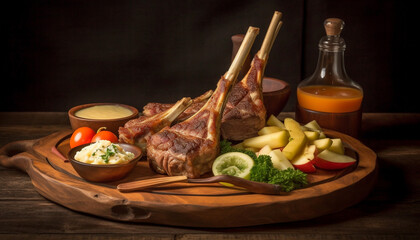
(189, 204)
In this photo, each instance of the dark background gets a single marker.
(61, 53)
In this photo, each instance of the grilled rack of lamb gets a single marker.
(138, 131)
(189, 148)
(245, 113)
(151, 109)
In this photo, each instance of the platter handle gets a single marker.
(17, 154)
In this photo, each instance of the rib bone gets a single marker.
(151, 109)
(138, 131)
(189, 148)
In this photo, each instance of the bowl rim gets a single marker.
(72, 152)
(74, 109)
(286, 87)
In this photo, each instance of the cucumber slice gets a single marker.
(233, 163)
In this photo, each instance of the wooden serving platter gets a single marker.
(189, 204)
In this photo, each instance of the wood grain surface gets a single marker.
(389, 212)
(187, 204)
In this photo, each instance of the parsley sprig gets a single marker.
(264, 171)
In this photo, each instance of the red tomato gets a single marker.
(104, 135)
(81, 136)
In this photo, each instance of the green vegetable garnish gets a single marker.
(263, 170)
(109, 153)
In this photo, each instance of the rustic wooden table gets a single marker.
(391, 211)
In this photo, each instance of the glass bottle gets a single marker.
(329, 96)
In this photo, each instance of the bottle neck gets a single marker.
(330, 67)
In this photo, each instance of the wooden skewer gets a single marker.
(147, 183)
(243, 52)
(270, 36)
(255, 187)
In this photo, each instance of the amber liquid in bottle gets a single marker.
(329, 96)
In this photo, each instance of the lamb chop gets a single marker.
(151, 109)
(189, 148)
(245, 113)
(138, 131)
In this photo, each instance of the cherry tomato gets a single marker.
(81, 136)
(104, 135)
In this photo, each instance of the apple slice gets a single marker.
(279, 160)
(269, 129)
(322, 143)
(311, 135)
(273, 121)
(303, 161)
(313, 125)
(297, 139)
(265, 150)
(330, 160)
(274, 140)
(337, 146)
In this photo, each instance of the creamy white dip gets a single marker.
(103, 152)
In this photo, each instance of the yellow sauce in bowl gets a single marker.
(104, 112)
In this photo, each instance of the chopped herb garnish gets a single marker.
(109, 153)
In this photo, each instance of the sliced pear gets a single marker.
(273, 121)
(269, 129)
(274, 140)
(297, 139)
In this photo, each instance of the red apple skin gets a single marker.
(306, 168)
(327, 165)
(309, 166)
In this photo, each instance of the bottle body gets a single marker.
(329, 96)
(348, 123)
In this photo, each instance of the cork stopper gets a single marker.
(333, 26)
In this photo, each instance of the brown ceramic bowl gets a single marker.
(276, 93)
(110, 124)
(108, 172)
